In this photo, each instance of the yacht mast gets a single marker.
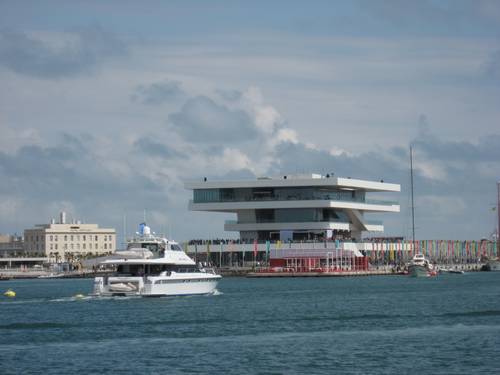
(412, 201)
(498, 223)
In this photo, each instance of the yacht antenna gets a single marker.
(412, 201)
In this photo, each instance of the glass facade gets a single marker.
(313, 211)
(282, 194)
(294, 215)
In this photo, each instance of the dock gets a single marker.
(325, 274)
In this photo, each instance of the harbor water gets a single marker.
(449, 324)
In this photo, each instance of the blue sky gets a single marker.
(107, 107)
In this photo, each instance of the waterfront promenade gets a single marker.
(292, 259)
(249, 271)
(375, 257)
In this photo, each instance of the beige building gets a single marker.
(10, 245)
(63, 242)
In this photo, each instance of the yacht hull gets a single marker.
(154, 286)
(418, 271)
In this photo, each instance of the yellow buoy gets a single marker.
(79, 296)
(10, 293)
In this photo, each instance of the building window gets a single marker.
(55, 237)
(84, 246)
(96, 246)
(72, 247)
(51, 247)
(96, 240)
(105, 238)
(78, 246)
(65, 246)
(56, 247)
(71, 237)
(51, 238)
(110, 237)
(65, 237)
(84, 237)
(105, 246)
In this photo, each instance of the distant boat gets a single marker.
(449, 270)
(492, 265)
(51, 276)
(421, 267)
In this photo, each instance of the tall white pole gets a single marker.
(124, 230)
(498, 222)
(412, 199)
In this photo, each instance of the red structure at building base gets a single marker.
(318, 264)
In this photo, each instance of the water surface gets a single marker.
(367, 325)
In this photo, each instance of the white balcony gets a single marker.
(272, 204)
(231, 225)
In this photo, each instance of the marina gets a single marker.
(290, 225)
(250, 188)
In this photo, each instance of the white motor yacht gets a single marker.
(420, 266)
(154, 266)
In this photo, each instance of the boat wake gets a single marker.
(78, 297)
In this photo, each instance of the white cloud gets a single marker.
(287, 135)
(12, 139)
(432, 170)
(344, 103)
(336, 151)
(441, 207)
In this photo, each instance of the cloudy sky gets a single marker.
(106, 108)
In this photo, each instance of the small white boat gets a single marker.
(51, 276)
(123, 287)
(451, 270)
(154, 266)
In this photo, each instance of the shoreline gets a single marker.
(6, 274)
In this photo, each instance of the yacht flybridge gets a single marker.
(154, 266)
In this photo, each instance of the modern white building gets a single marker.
(68, 241)
(295, 207)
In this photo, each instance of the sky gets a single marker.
(107, 108)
